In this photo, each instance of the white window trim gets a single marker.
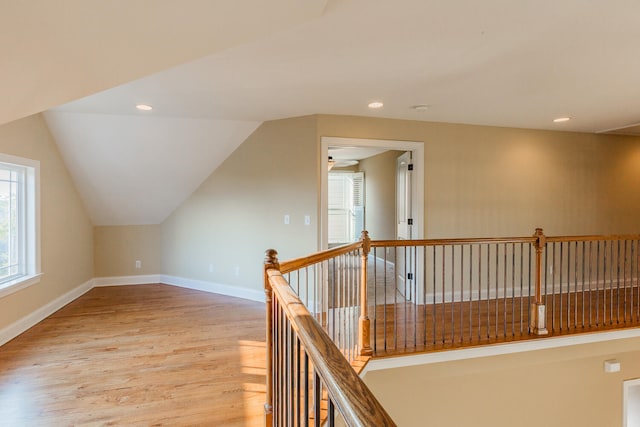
(32, 225)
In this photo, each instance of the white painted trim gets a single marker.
(556, 289)
(216, 288)
(498, 349)
(19, 284)
(16, 328)
(628, 403)
(382, 260)
(31, 217)
(417, 147)
(200, 285)
(127, 280)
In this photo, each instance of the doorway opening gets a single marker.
(414, 192)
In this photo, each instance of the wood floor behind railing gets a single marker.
(138, 355)
(400, 328)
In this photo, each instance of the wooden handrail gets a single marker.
(301, 262)
(440, 242)
(349, 395)
(542, 254)
(298, 263)
(555, 239)
(355, 402)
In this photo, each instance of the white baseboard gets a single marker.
(216, 288)
(497, 349)
(199, 285)
(16, 328)
(127, 280)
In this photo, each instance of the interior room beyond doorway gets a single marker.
(365, 197)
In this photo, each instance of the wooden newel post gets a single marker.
(270, 262)
(364, 324)
(538, 314)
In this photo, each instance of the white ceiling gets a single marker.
(137, 170)
(354, 153)
(53, 52)
(496, 62)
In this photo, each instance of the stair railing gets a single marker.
(309, 380)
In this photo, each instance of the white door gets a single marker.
(404, 224)
(403, 196)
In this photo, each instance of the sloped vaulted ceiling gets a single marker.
(136, 170)
(55, 51)
(129, 168)
(497, 62)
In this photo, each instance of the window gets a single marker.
(346, 206)
(19, 223)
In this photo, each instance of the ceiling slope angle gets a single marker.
(497, 62)
(133, 170)
(54, 52)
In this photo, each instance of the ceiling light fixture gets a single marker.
(561, 119)
(420, 107)
(346, 163)
(375, 105)
(144, 107)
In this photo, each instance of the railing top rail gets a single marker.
(298, 263)
(445, 242)
(592, 238)
(350, 395)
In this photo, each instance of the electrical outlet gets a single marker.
(307, 220)
(287, 219)
(138, 264)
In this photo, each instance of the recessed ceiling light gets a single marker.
(144, 107)
(375, 104)
(561, 119)
(420, 107)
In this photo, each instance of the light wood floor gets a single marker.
(407, 328)
(138, 355)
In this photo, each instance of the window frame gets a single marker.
(30, 216)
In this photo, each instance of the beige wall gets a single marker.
(479, 181)
(238, 212)
(66, 231)
(380, 194)
(116, 249)
(489, 181)
(560, 387)
(622, 177)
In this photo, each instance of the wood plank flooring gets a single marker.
(408, 328)
(138, 355)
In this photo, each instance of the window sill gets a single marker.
(19, 284)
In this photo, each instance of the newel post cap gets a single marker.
(366, 242)
(271, 258)
(542, 239)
